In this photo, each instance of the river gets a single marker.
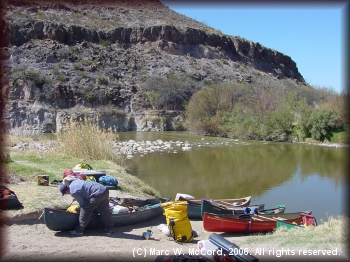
(300, 176)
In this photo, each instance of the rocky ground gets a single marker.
(131, 147)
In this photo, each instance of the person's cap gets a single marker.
(63, 189)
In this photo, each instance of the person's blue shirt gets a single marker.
(82, 190)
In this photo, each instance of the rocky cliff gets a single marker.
(92, 60)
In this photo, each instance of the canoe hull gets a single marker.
(287, 225)
(193, 211)
(194, 206)
(60, 220)
(233, 223)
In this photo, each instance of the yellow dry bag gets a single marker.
(177, 220)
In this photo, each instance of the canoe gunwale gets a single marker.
(245, 201)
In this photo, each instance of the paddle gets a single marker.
(227, 203)
(42, 213)
(273, 219)
(255, 218)
(268, 218)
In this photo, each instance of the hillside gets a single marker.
(108, 60)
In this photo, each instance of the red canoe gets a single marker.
(252, 223)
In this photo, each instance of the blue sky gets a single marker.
(313, 35)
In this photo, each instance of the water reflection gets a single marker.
(225, 168)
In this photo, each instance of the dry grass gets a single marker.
(11, 140)
(328, 235)
(87, 141)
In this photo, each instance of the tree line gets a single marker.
(265, 109)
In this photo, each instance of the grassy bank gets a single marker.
(24, 166)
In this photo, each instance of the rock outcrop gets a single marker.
(164, 33)
(90, 61)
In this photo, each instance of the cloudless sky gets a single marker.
(312, 34)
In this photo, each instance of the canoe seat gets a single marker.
(230, 208)
(280, 218)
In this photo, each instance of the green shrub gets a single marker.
(61, 78)
(265, 109)
(55, 71)
(200, 110)
(77, 66)
(208, 106)
(323, 122)
(35, 77)
(169, 93)
(241, 123)
(224, 61)
(341, 135)
(279, 122)
(74, 49)
(90, 96)
(101, 80)
(104, 42)
(82, 74)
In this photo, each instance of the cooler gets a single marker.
(43, 180)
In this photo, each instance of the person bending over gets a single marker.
(89, 195)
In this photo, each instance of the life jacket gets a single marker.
(177, 220)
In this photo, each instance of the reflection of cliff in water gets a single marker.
(237, 170)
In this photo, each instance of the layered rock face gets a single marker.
(63, 72)
(165, 33)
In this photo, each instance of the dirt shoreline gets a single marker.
(35, 242)
(31, 240)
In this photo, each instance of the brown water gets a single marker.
(299, 176)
